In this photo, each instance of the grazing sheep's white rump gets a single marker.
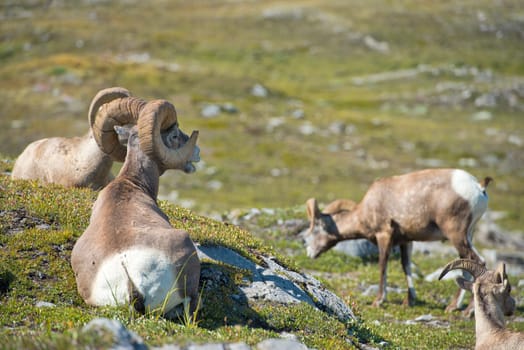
(150, 270)
(468, 187)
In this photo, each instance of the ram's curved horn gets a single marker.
(156, 116)
(110, 107)
(473, 267)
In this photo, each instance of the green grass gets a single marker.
(309, 55)
(349, 277)
(38, 227)
(35, 267)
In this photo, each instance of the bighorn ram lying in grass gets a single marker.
(427, 205)
(82, 161)
(130, 253)
(491, 295)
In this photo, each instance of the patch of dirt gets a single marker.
(6, 277)
(14, 221)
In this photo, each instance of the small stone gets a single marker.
(44, 304)
(307, 129)
(229, 108)
(482, 116)
(280, 344)
(298, 114)
(214, 185)
(206, 347)
(123, 338)
(259, 91)
(210, 111)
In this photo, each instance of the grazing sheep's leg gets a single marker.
(405, 255)
(384, 243)
(466, 251)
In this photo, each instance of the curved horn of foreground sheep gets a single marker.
(156, 116)
(110, 107)
(473, 267)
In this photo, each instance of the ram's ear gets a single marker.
(312, 209)
(464, 284)
(123, 132)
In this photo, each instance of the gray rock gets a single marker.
(490, 234)
(429, 320)
(209, 346)
(298, 114)
(482, 116)
(514, 260)
(324, 299)
(237, 346)
(229, 108)
(375, 45)
(452, 275)
(278, 284)
(486, 100)
(123, 338)
(373, 290)
(360, 248)
(210, 111)
(167, 347)
(44, 304)
(435, 248)
(280, 344)
(259, 91)
(307, 129)
(429, 162)
(266, 283)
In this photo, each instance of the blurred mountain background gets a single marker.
(293, 99)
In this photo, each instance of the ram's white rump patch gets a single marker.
(151, 271)
(468, 187)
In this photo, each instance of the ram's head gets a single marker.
(162, 140)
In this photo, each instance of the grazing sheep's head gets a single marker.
(487, 284)
(322, 233)
(162, 140)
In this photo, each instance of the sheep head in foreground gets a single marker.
(130, 253)
(427, 205)
(491, 295)
(82, 161)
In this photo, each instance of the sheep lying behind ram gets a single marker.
(130, 253)
(427, 205)
(82, 161)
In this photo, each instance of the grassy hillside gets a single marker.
(355, 90)
(351, 91)
(38, 228)
(39, 225)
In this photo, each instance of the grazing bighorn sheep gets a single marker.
(82, 161)
(491, 295)
(427, 205)
(130, 253)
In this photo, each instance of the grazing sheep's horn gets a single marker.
(157, 116)
(473, 267)
(110, 107)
